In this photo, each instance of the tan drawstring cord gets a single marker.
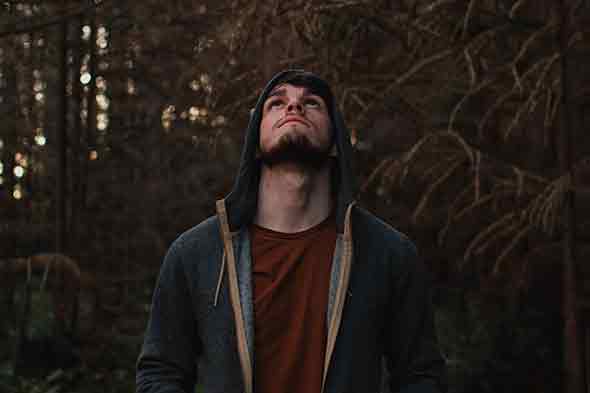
(219, 281)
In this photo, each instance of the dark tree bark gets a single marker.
(61, 142)
(78, 153)
(88, 131)
(91, 119)
(574, 377)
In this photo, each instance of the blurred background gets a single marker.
(122, 122)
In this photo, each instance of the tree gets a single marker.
(504, 148)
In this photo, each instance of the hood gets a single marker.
(241, 202)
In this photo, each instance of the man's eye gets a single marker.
(274, 104)
(312, 103)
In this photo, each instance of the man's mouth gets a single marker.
(292, 119)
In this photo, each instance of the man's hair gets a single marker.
(314, 84)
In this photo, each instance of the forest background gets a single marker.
(122, 122)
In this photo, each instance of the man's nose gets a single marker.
(294, 107)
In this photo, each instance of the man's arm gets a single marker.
(166, 363)
(413, 358)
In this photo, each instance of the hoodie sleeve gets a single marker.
(166, 363)
(413, 358)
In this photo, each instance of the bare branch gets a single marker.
(477, 177)
(527, 104)
(337, 5)
(549, 27)
(433, 6)
(513, 243)
(485, 83)
(451, 211)
(439, 163)
(515, 8)
(544, 210)
(494, 237)
(383, 164)
(519, 181)
(419, 66)
(470, 8)
(503, 98)
(502, 221)
(471, 67)
(476, 203)
(433, 187)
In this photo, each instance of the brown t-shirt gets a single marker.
(291, 273)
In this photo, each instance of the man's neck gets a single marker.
(293, 198)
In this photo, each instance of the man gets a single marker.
(291, 287)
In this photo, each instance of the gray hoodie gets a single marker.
(201, 325)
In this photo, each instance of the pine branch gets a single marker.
(494, 237)
(508, 249)
(527, 105)
(502, 221)
(425, 198)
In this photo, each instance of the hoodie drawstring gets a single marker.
(219, 280)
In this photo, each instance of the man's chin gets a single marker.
(315, 161)
(306, 156)
(295, 149)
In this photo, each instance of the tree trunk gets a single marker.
(90, 136)
(78, 154)
(574, 377)
(61, 142)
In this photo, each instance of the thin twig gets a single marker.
(433, 187)
(486, 231)
(470, 8)
(515, 240)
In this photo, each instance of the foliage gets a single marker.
(72, 380)
(494, 166)
(494, 343)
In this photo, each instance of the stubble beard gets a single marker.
(295, 148)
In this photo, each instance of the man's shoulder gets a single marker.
(368, 225)
(384, 242)
(199, 237)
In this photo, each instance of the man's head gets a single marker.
(296, 123)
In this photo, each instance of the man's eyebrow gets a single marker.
(277, 92)
(281, 92)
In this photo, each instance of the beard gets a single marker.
(295, 149)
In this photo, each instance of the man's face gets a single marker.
(295, 126)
